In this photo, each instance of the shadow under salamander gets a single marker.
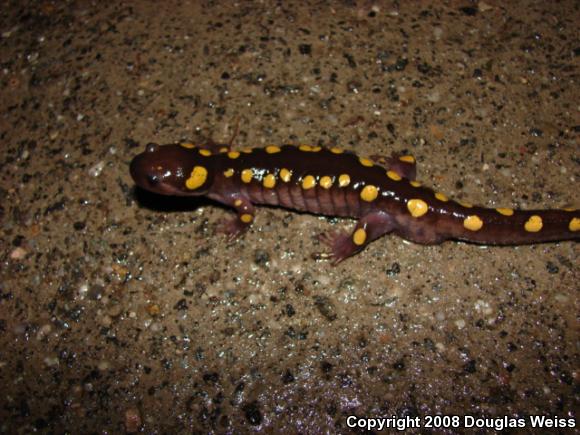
(163, 203)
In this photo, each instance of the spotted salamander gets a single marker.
(381, 193)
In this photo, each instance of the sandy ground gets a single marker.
(124, 311)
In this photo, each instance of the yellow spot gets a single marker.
(197, 178)
(188, 145)
(238, 202)
(285, 175)
(343, 180)
(393, 176)
(205, 153)
(308, 182)
(505, 211)
(574, 224)
(441, 197)
(365, 162)
(223, 149)
(272, 149)
(415, 183)
(473, 223)
(417, 207)
(465, 204)
(359, 237)
(336, 150)
(316, 149)
(534, 224)
(569, 209)
(407, 159)
(229, 172)
(326, 182)
(369, 193)
(233, 154)
(247, 175)
(246, 218)
(269, 181)
(306, 148)
(247, 150)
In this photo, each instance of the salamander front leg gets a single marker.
(368, 228)
(405, 166)
(235, 227)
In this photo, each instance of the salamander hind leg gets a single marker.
(368, 228)
(403, 165)
(235, 227)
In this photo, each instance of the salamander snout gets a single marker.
(167, 170)
(145, 172)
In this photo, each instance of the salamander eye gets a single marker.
(151, 147)
(152, 179)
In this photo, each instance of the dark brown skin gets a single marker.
(383, 202)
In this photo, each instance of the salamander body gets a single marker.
(381, 193)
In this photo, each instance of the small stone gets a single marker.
(470, 367)
(115, 310)
(96, 169)
(51, 361)
(122, 271)
(153, 309)
(43, 331)
(326, 307)
(106, 321)
(437, 32)
(436, 131)
(552, 268)
(434, 96)
(18, 253)
(252, 413)
(305, 49)
(469, 11)
(132, 420)
(484, 7)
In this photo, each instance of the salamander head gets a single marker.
(173, 170)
